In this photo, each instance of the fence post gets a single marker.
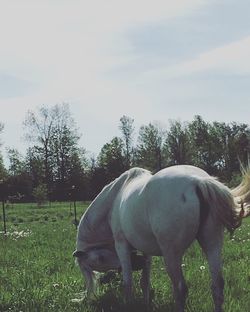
(73, 192)
(4, 219)
(3, 205)
(75, 213)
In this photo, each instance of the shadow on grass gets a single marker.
(111, 302)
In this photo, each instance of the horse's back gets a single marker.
(182, 170)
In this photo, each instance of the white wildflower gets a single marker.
(55, 285)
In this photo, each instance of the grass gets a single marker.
(38, 273)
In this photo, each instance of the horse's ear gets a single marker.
(79, 254)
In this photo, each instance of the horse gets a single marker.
(158, 214)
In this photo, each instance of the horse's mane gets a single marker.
(110, 191)
(99, 209)
(135, 172)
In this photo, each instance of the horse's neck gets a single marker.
(103, 203)
(94, 225)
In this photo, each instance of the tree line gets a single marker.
(55, 167)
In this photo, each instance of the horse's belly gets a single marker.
(136, 228)
(149, 246)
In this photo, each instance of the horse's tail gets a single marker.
(242, 191)
(216, 198)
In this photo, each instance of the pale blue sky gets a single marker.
(150, 60)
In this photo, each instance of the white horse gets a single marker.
(157, 215)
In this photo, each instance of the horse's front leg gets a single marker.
(124, 253)
(145, 279)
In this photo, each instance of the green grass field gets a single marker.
(38, 273)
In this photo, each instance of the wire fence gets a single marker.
(14, 214)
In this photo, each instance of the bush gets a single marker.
(40, 194)
(235, 180)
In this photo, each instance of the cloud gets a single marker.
(66, 38)
(11, 86)
(66, 48)
(169, 43)
(232, 58)
(224, 61)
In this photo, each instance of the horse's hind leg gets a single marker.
(145, 279)
(211, 241)
(173, 267)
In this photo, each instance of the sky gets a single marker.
(150, 60)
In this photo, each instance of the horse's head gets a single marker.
(98, 259)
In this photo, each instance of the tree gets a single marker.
(127, 129)
(200, 142)
(55, 134)
(40, 194)
(111, 159)
(3, 172)
(232, 146)
(238, 144)
(35, 166)
(19, 180)
(17, 164)
(76, 175)
(149, 151)
(64, 144)
(177, 144)
(39, 129)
